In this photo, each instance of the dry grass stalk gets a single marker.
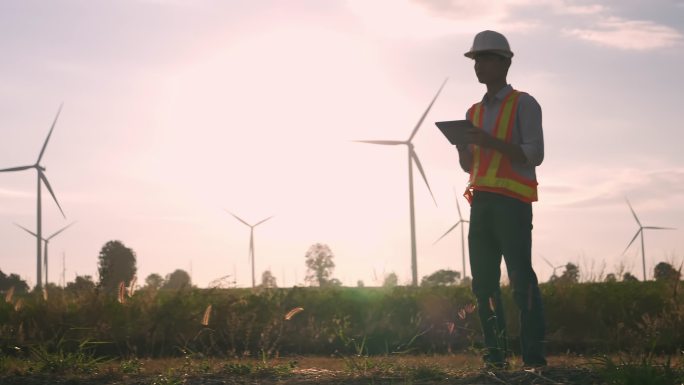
(122, 292)
(293, 312)
(9, 295)
(462, 314)
(469, 308)
(19, 304)
(131, 287)
(207, 315)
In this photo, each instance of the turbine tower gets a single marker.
(412, 156)
(251, 240)
(41, 178)
(641, 232)
(461, 222)
(47, 241)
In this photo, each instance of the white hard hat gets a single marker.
(490, 41)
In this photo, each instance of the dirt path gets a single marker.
(354, 370)
(549, 376)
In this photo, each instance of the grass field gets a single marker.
(443, 369)
(337, 336)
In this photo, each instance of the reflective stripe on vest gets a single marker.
(491, 171)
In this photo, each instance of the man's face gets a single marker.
(490, 67)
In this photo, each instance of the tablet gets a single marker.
(455, 130)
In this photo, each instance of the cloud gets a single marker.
(637, 35)
(164, 218)
(428, 19)
(166, 2)
(467, 10)
(511, 15)
(565, 8)
(4, 192)
(602, 26)
(655, 188)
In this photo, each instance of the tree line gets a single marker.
(117, 265)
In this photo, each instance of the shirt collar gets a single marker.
(499, 95)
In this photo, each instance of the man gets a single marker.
(505, 146)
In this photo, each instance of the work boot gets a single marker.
(535, 364)
(494, 360)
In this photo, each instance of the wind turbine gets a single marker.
(461, 222)
(63, 269)
(412, 156)
(641, 232)
(553, 267)
(376, 280)
(251, 240)
(41, 178)
(47, 241)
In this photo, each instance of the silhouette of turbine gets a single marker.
(47, 241)
(553, 275)
(412, 157)
(251, 240)
(461, 222)
(641, 232)
(39, 214)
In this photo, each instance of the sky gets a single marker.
(177, 113)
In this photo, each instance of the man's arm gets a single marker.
(465, 157)
(513, 151)
(531, 133)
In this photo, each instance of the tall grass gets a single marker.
(582, 318)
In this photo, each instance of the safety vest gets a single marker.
(491, 171)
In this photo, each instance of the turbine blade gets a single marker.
(422, 173)
(415, 129)
(447, 232)
(238, 218)
(258, 223)
(632, 241)
(47, 184)
(659, 228)
(383, 142)
(20, 168)
(27, 230)
(42, 151)
(633, 213)
(548, 262)
(59, 231)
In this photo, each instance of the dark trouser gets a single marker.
(503, 225)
